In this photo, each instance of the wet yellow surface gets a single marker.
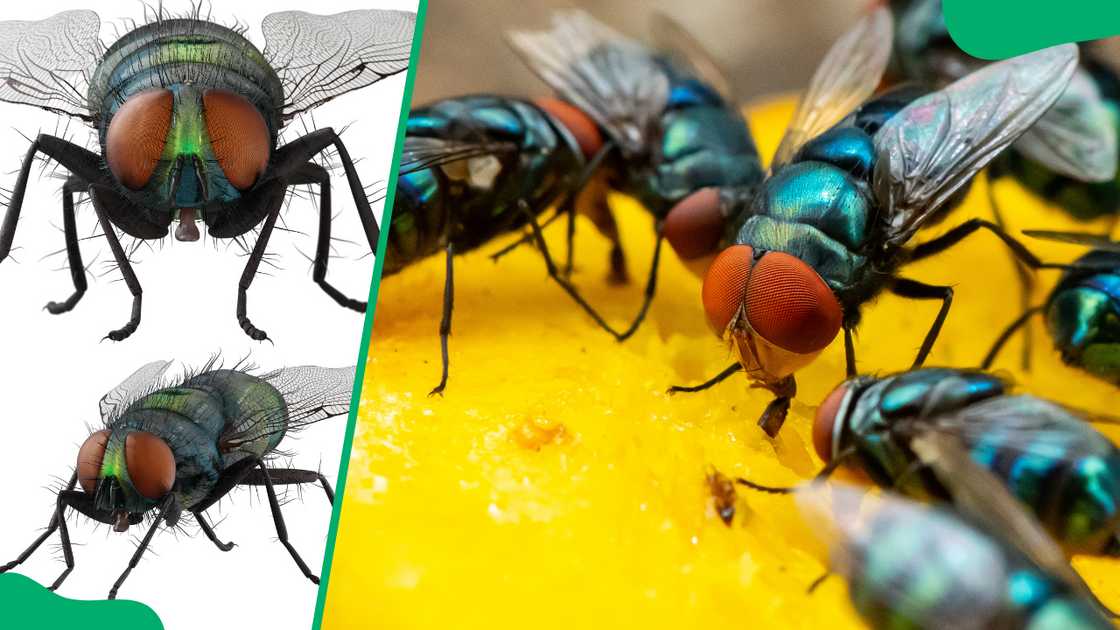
(556, 485)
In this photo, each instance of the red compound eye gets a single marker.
(151, 465)
(725, 285)
(579, 124)
(694, 226)
(90, 456)
(238, 135)
(136, 136)
(825, 422)
(789, 305)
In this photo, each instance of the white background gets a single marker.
(55, 368)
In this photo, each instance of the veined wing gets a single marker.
(848, 76)
(141, 383)
(1077, 137)
(319, 57)
(939, 142)
(48, 63)
(616, 81)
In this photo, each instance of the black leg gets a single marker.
(281, 528)
(445, 321)
(73, 253)
(147, 540)
(1007, 333)
(276, 201)
(823, 475)
(525, 238)
(200, 518)
(962, 231)
(289, 476)
(651, 285)
(850, 353)
(289, 158)
(57, 516)
(79, 161)
(712, 382)
(1026, 280)
(920, 291)
(312, 173)
(125, 268)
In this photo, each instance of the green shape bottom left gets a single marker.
(24, 604)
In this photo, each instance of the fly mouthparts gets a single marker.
(121, 522)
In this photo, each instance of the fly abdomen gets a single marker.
(467, 202)
(255, 413)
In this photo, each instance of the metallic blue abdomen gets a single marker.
(469, 202)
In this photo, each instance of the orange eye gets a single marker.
(579, 124)
(136, 136)
(725, 285)
(239, 136)
(90, 456)
(151, 465)
(790, 306)
(825, 422)
(694, 226)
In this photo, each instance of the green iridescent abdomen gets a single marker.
(928, 569)
(470, 202)
(1083, 316)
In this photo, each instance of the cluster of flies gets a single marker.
(188, 115)
(987, 492)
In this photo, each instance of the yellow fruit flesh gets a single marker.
(556, 485)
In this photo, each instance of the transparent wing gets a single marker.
(1097, 241)
(848, 76)
(141, 383)
(982, 496)
(420, 153)
(48, 63)
(616, 81)
(671, 37)
(313, 393)
(1026, 426)
(939, 142)
(971, 600)
(1077, 137)
(319, 57)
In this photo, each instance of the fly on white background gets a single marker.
(55, 368)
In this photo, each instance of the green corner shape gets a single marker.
(25, 605)
(999, 29)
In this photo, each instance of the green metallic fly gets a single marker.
(188, 115)
(174, 445)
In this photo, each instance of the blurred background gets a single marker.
(764, 45)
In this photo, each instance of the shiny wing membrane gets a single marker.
(48, 63)
(848, 76)
(939, 142)
(616, 81)
(319, 57)
(671, 37)
(141, 383)
(1077, 137)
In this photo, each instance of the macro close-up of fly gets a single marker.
(188, 115)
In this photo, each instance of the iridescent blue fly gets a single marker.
(852, 182)
(914, 566)
(1083, 310)
(1065, 473)
(644, 120)
(188, 114)
(1069, 158)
